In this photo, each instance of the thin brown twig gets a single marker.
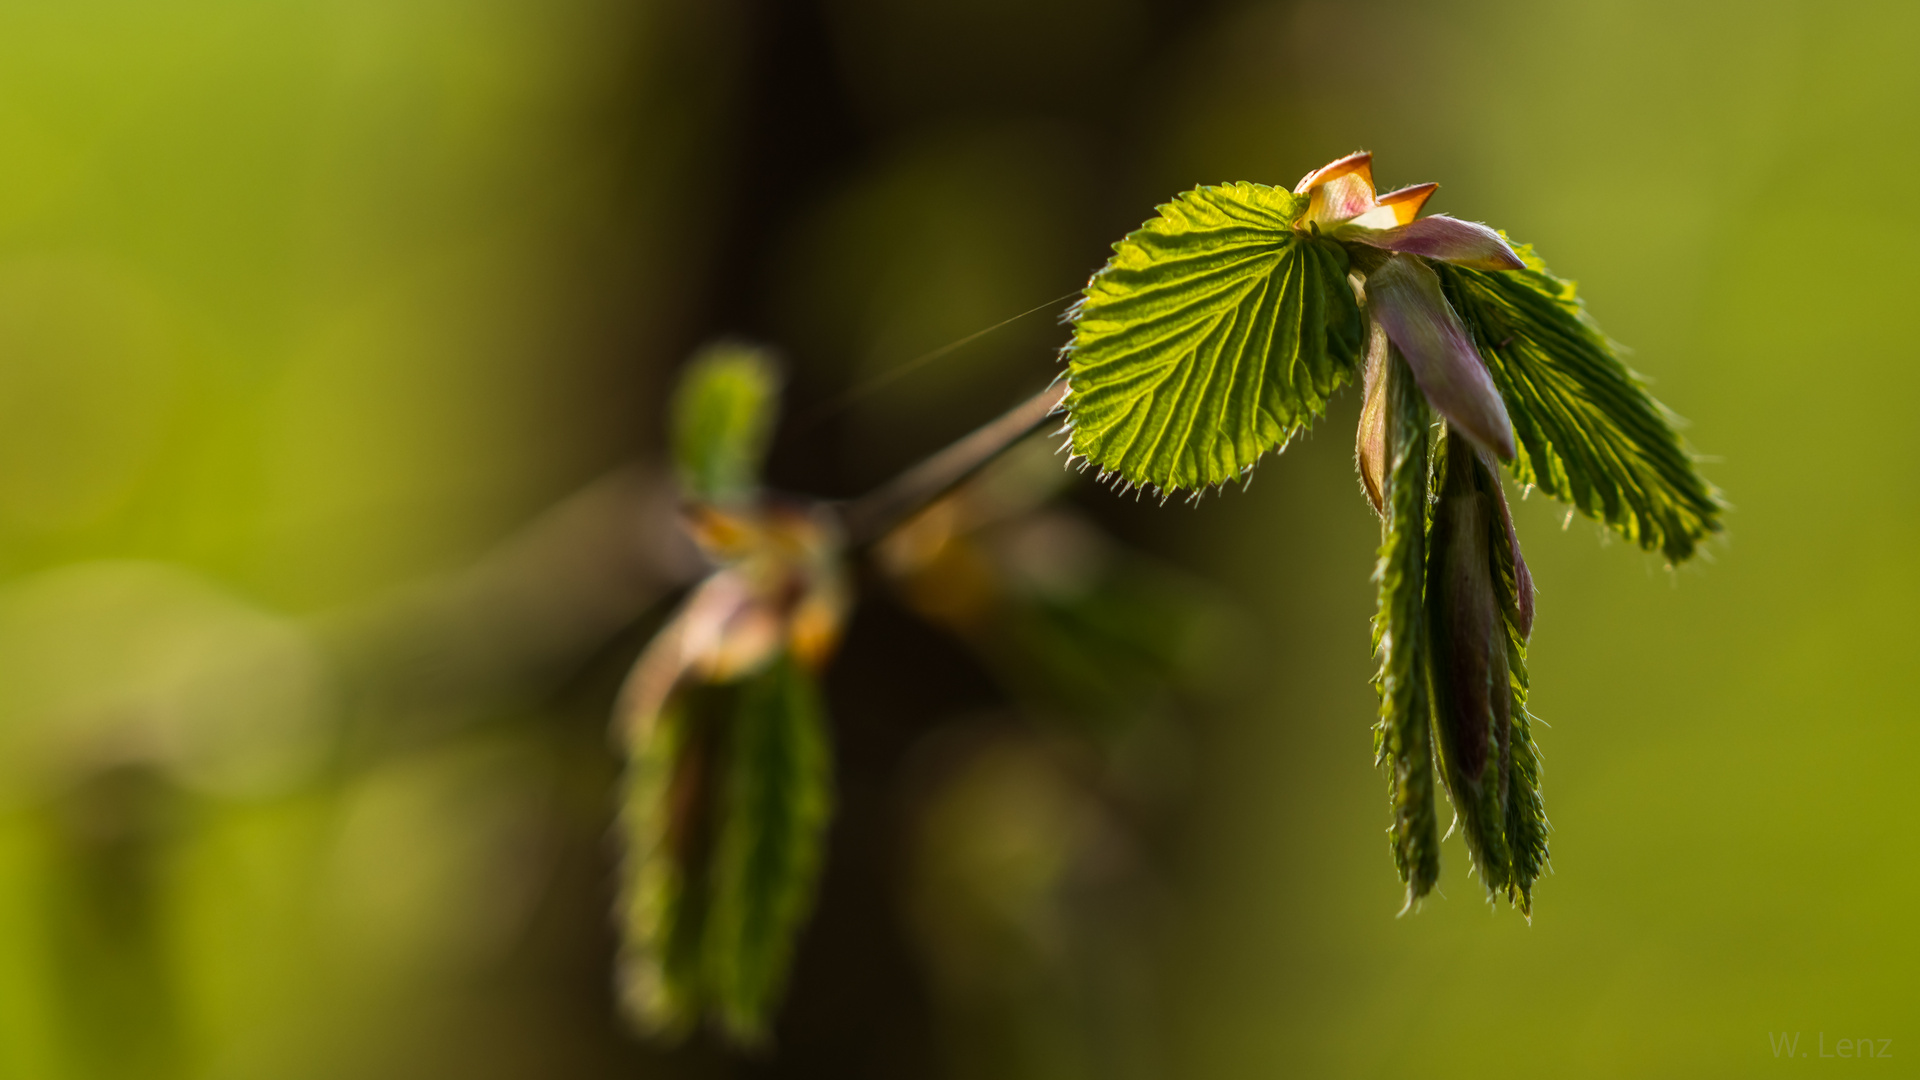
(873, 515)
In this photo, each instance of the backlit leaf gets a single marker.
(1402, 738)
(1214, 334)
(1589, 432)
(1526, 812)
(1526, 825)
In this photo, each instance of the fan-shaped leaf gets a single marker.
(1589, 432)
(1213, 335)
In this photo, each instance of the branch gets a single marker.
(425, 655)
(873, 515)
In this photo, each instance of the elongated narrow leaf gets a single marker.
(723, 414)
(773, 816)
(1526, 825)
(1402, 737)
(662, 888)
(1214, 334)
(1467, 651)
(1589, 432)
(1477, 651)
(1526, 811)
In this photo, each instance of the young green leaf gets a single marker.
(1526, 825)
(1526, 812)
(1478, 616)
(1214, 334)
(1402, 736)
(662, 887)
(773, 814)
(727, 796)
(1589, 432)
(723, 414)
(1467, 655)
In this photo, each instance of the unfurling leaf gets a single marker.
(1217, 332)
(1467, 650)
(1476, 579)
(1526, 823)
(1214, 335)
(1526, 811)
(662, 895)
(772, 818)
(727, 797)
(1589, 432)
(723, 415)
(1401, 738)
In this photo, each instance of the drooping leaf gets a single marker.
(773, 810)
(1479, 675)
(1402, 736)
(1467, 656)
(662, 888)
(1589, 432)
(723, 414)
(1214, 334)
(1526, 811)
(726, 800)
(1526, 825)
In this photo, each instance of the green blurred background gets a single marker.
(307, 309)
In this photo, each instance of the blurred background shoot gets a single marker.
(336, 347)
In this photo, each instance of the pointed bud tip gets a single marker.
(1500, 440)
(1407, 201)
(1358, 161)
(1504, 258)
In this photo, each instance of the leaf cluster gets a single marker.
(1218, 331)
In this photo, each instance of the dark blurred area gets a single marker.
(480, 242)
(335, 345)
